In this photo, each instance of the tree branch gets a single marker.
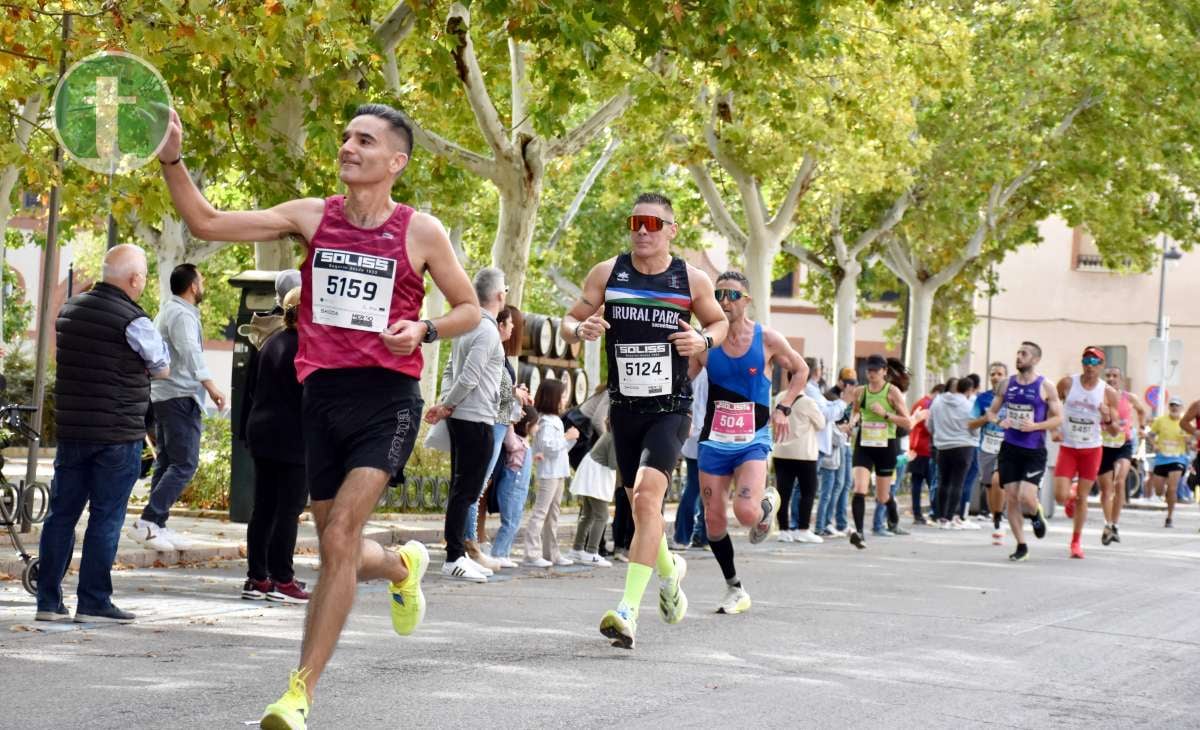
(808, 257)
(897, 259)
(800, 185)
(580, 195)
(835, 230)
(723, 221)
(397, 24)
(575, 140)
(714, 142)
(564, 285)
(473, 161)
(889, 221)
(458, 24)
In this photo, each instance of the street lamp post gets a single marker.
(1168, 254)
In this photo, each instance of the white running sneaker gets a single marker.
(463, 569)
(672, 602)
(538, 562)
(955, 523)
(563, 561)
(834, 532)
(484, 571)
(594, 560)
(736, 600)
(784, 536)
(807, 536)
(505, 562)
(147, 534)
(179, 541)
(968, 525)
(762, 529)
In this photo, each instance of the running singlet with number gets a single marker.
(992, 435)
(355, 282)
(1125, 418)
(874, 431)
(738, 412)
(646, 373)
(1025, 403)
(1081, 415)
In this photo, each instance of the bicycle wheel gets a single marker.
(1133, 484)
(29, 577)
(35, 501)
(10, 500)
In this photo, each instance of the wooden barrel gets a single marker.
(539, 335)
(530, 376)
(579, 382)
(549, 373)
(560, 348)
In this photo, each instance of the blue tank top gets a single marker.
(1025, 403)
(738, 412)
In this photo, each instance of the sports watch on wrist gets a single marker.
(785, 410)
(708, 342)
(431, 333)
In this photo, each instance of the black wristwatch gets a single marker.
(708, 342)
(430, 331)
(785, 410)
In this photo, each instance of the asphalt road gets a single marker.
(933, 630)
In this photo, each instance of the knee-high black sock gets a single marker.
(893, 512)
(722, 550)
(858, 506)
(996, 519)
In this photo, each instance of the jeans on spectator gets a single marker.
(513, 489)
(828, 479)
(177, 431)
(845, 482)
(933, 486)
(498, 432)
(689, 517)
(99, 477)
(467, 472)
(880, 519)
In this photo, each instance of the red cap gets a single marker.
(1094, 352)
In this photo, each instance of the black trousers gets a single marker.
(791, 474)
(468, 470)
(280, 493)
(952, 472)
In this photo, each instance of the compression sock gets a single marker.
(664, 562)
(858, 506)
(722, 550)
(893, 512)
(996, 519)
(636, 581)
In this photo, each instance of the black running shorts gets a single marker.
(647, 439)
(1165, 470)
(1019, 464)
(1110, 456)
(357, 417)
(879, 459)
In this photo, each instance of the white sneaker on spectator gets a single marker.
(487, 562)
(968, 525)
(955, 523)
(576, 555)
(179, 541)
(563, 561)
(835, 532)
(784, 536)
(505, 562)
(538, 562)
(482, 570)
(463, 569)
(147, 534)
(594, 560)
(808, 536)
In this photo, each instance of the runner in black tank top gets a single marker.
(645, 299)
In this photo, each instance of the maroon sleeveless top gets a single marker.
(356, 282)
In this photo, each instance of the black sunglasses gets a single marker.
(731, 294)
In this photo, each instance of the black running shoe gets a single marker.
(857, 540)
(1168, 523)
(1106, 536)
(1116, 534)
(1021, 554)
(1039, 523)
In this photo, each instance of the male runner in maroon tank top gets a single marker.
(359, 361)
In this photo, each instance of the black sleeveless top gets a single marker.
(645, 372)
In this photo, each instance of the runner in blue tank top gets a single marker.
(1031, 408)
(738, 425)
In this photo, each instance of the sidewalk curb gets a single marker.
(131, 557)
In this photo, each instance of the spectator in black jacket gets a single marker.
(273, 435)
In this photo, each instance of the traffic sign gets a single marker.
(1155, 371)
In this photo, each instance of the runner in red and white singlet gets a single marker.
(359, 360)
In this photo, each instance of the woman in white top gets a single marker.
(795, 462)
(550, 452)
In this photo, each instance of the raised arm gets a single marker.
(901, 417)
(1188, 422)
(1054, 409)
(780, 353)
(704, 305)
(300, 217)
(1109, 418)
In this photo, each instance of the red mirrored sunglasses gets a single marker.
(652, 223)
